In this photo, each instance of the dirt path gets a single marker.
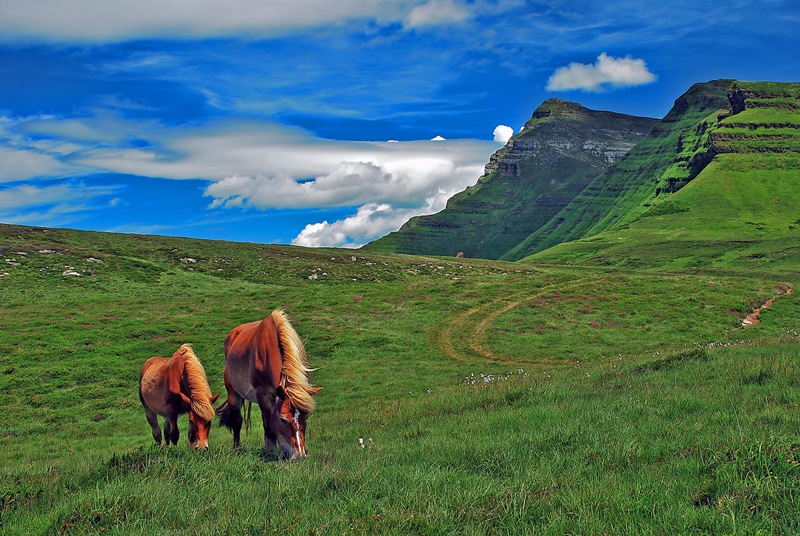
(753, 318)
(463, 338)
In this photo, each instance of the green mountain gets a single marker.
(527, 182)
(670, 156)
(742, 208)
(713, 184)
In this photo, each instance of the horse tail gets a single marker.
(224, 413)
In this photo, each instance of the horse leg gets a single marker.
(230, 413)
(171, 431)
(235, 422)
(152, 419)
(270, 439)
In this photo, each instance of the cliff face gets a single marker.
(525, 183)
(601, 136)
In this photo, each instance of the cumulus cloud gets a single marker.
(250, 162)
(607, 71)
(370, 222)
(408, 179)
(436, 12)
(349, 183)
(503, 133)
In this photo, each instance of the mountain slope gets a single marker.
(670, 156)
(560, 149)
(741, 210)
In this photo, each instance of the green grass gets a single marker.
(739, 212)
(647, 410)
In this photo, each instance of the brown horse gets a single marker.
(172, 386)
(265, 363)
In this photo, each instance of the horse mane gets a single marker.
(200, 392)
(294, 369)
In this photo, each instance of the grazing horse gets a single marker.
(265, 363)
(172, 386)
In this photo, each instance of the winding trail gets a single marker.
(463, 338)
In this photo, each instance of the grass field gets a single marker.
(491, 397)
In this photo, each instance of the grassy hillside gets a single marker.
(492, 397)
(741, 209)
(560, 149)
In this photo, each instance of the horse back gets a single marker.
(160, 384)
(252, 351)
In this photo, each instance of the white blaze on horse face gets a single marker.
(297, 432)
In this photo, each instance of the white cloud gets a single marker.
(21, 163)
(606, 71)
(251, 163)
(436, 12)
(256, 165)
(503, 133)
(405, 179)
(437, 138)
(89, 21)
(370, 222)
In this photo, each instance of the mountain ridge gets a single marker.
(539, 170)
(740, 137)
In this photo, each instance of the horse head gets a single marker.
(288, 424)
(199, 425)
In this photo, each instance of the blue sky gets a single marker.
(325, 123)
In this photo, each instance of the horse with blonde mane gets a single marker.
(172, 386)
(265, 363)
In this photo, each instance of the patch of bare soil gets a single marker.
(753, 318)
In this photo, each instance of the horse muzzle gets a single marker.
(289, 453)
(197, 446)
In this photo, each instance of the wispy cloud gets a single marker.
(607, 71)
(53, 204)
(87, 21)
(436, 12)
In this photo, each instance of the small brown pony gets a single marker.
(265, 363)
(172, 386)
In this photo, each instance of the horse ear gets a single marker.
(186, 399)
(213, 398)
(280, 393)
(314, 390)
